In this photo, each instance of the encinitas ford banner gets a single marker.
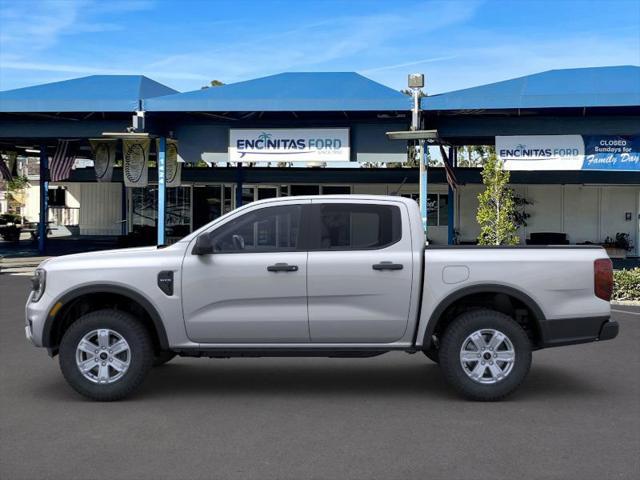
(289, 145)
(569, 152)
(541, 152)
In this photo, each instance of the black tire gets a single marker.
(163, 357)
(141, 354)
(452, 342)
(432, 353)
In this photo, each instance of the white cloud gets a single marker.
(89, 70)
(408, 64)
(30, 27)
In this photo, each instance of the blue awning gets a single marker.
(96, 93)
(288, 92)
(577, 87)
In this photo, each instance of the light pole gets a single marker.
(416, 83)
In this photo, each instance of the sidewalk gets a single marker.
(24, 265)
(23, 256)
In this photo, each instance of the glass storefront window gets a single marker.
(443, 210)
(437, 211)
(305, 190)
(207, 205)
(432, 209)
(144, 207)
(227, 204)
(144, 211)
(336, 189)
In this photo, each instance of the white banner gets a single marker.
(173, 166)
(289, 145)
(104, 157)
(136, 162)
(541, 152)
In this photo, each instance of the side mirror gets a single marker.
(203, 245)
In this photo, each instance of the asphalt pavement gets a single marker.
(577, 416)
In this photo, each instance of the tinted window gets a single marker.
(358, 227)
(265, 230)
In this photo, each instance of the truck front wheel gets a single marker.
(485, 355)
(105, 355)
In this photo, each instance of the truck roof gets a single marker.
(345, 197)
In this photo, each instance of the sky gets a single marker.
(185, 44)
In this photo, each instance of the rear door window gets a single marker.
(353, 226)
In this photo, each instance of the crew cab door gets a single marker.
(252, 288)
(359, 271)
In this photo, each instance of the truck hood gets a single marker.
(121, 258)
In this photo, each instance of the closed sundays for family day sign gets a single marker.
(289, 145)
(569, 152)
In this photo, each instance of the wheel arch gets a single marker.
(51, 334)
(496, 291)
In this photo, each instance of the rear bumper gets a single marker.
(571, 331)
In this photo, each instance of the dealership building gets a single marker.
(570, 137)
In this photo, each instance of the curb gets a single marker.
(629, 303)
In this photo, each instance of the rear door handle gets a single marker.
(387, 266)
(282, 267)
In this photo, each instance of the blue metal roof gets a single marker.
(298, 92)
(577, 87)
(96, 93)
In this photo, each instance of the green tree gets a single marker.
(213, 83)
(497, 208)
(474, 155)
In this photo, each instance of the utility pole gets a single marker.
(416, 83)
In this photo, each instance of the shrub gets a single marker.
(626, 284)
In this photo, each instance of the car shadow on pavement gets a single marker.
(424, 380)
(189, 380)
(298, 379)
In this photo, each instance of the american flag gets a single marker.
(4, 171)
(451, 175)
(62, 160)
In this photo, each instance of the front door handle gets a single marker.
(387, 266)
(282, 267)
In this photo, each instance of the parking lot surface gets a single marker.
(577, 416)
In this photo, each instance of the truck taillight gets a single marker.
(603, 278)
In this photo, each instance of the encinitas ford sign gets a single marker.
(289, 145)
(541, 152)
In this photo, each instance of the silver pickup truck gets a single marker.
(334, 276)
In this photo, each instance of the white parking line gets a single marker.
(625, 311)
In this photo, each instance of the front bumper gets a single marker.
(35, 317)
(28, 334)
(571, 331)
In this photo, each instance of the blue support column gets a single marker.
(162, 188)
(423, 184)
(450, 201)
(239, 180)
(44, 200)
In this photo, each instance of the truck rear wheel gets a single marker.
(105, 355)
(485, 355)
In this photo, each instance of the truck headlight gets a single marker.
(38, 282)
